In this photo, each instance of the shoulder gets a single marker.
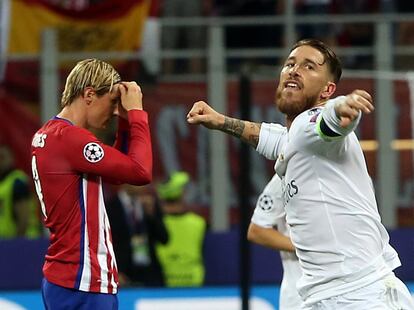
(305, 121)
(67, 139)
(71, 130)
(62, 131)
(77, 136)
(309, 116)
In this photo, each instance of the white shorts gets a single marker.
(389, 293)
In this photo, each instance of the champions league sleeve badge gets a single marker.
(93, 152)
(266, 202)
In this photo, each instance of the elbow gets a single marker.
(251, 234)
(147, 178)
(142, 178)
(145, 175)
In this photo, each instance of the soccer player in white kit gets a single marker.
(342, 246)
(268, 214)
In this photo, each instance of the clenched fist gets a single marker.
(202, 113)
(348, 109)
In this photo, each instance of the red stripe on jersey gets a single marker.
(108, 262)
(115, 267)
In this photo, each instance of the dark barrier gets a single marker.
(21, 263)
(21, 260)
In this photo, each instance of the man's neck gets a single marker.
(291, 118)
(320, 103)
(74, 113)
(289, 121)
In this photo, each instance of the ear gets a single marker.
(328, 91)
(88, 94)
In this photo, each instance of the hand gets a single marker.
(131, 96)
(148, 203)
(348, 109)
(202, 113)
(121, 112)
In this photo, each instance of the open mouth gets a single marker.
(292, 85)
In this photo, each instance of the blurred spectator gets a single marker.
(250, 36)
(136, 223)
(151, 46)
(182, 257)
(356, 34)
(18, 216)
(318, 31)
(405, 35)
(192, 37)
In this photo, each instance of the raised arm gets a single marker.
(202, 113)
(349, 109)
(341, 115)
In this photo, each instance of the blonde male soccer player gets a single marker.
(69, 165)
(329, 201)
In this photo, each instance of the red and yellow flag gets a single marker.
(110, 26)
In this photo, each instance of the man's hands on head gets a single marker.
(348, 109)
(202, 113)
(131, 96)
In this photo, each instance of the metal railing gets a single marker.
(383, 52)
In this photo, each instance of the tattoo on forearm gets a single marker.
(236, 128)
(253, 138)
(233, 126)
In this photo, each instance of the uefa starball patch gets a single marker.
(266, 202)
(93, 152)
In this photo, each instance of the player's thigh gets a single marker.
(56, 297)
(387, 293)
(350, 303)
(398, 295)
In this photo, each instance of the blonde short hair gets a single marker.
(94, 73)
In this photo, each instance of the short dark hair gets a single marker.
(334, 64)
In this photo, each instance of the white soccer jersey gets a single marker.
(330, 204)
(269, 212)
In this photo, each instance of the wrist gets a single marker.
(338, 104)
(221, 120)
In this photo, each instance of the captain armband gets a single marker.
(324, 131)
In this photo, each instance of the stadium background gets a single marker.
(26, 62)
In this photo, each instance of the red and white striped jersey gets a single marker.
(68, 165)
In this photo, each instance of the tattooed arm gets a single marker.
(202, 113)
(246, 131)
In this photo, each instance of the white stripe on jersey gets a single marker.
(85, 281)
(102, 249)
(110, 249)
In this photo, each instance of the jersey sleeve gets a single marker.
(328, 123)
(269, 206)
(86, 154)
(271, 140)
